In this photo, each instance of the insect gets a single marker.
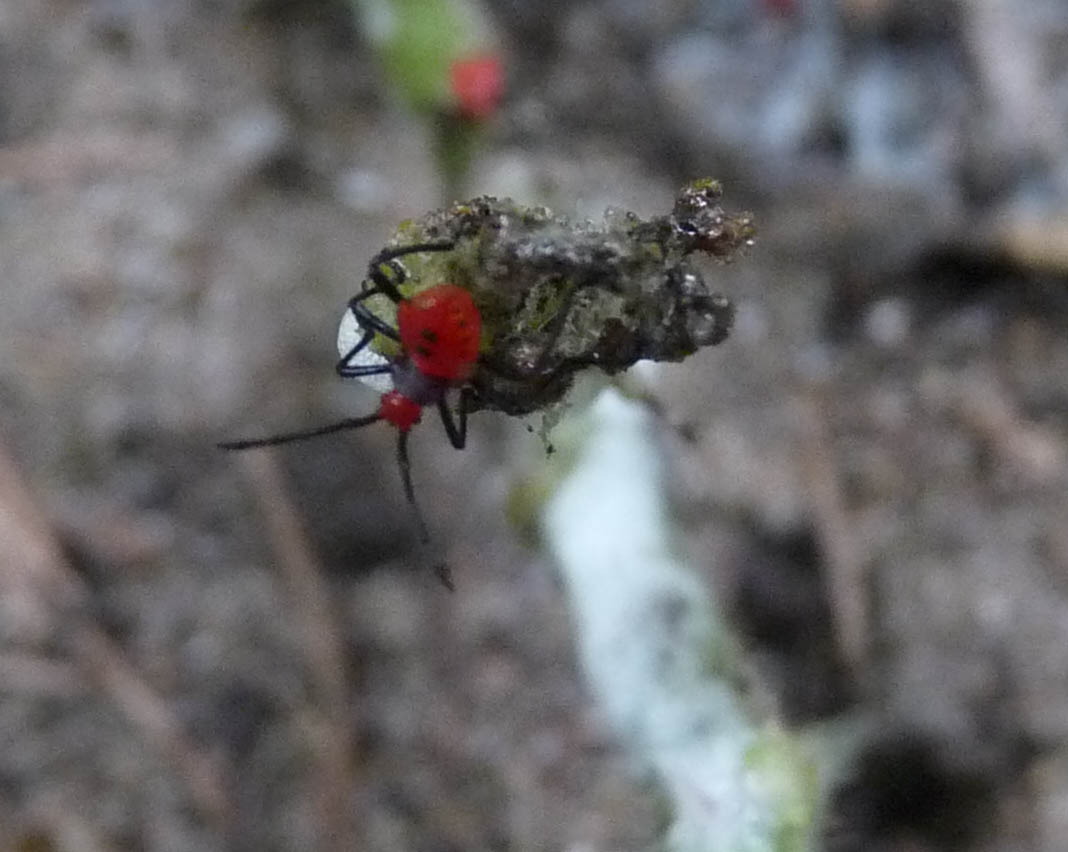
(438, 332)
(532, 300)
(559, 297)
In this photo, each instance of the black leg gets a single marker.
(457, 435)
(348, 423)
(344, 367)
(409, 490)
(348, 372)
(343, 364)
(367, 320)
(371, 326)
(384, 285)
(388, 254)
(441, 570)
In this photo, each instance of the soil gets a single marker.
(207, 652)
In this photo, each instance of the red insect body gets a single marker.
(477, 83)
(397, 409)
(439, 330)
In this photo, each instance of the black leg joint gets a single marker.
(367, 320)
(457, 433)
(389, 287)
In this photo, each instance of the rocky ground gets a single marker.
(873, 469)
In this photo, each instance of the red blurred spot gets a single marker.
(397, 409)
(478, 84)
(439, 330)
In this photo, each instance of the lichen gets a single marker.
(661, 660)
(557, 297)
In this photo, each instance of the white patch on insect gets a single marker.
(349, 333)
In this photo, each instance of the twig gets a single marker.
(321, 642)
(662, 662)
(54, 161)
(838, 543)
(38, 675)
(1008, 64)
(107, 666)
(1035, 242)
(35, 576)
(1035, 452)
(68, 828)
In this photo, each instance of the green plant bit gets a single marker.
(558, 296)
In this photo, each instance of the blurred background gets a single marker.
(203, 651)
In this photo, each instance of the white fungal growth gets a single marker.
(349, 333)
(659, 656)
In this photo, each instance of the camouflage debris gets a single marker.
(557, 297)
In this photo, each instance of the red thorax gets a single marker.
(397, 409)
(477, 83)
(439, 330)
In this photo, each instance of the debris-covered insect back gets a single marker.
(557, 296)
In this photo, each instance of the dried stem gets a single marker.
(321, 642)
(48, 600)
(835, 534)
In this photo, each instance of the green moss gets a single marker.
(791, 780)
(709, 186)
(557, 297)
(530, 493)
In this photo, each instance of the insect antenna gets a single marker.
(441, 570)
(341, 425)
